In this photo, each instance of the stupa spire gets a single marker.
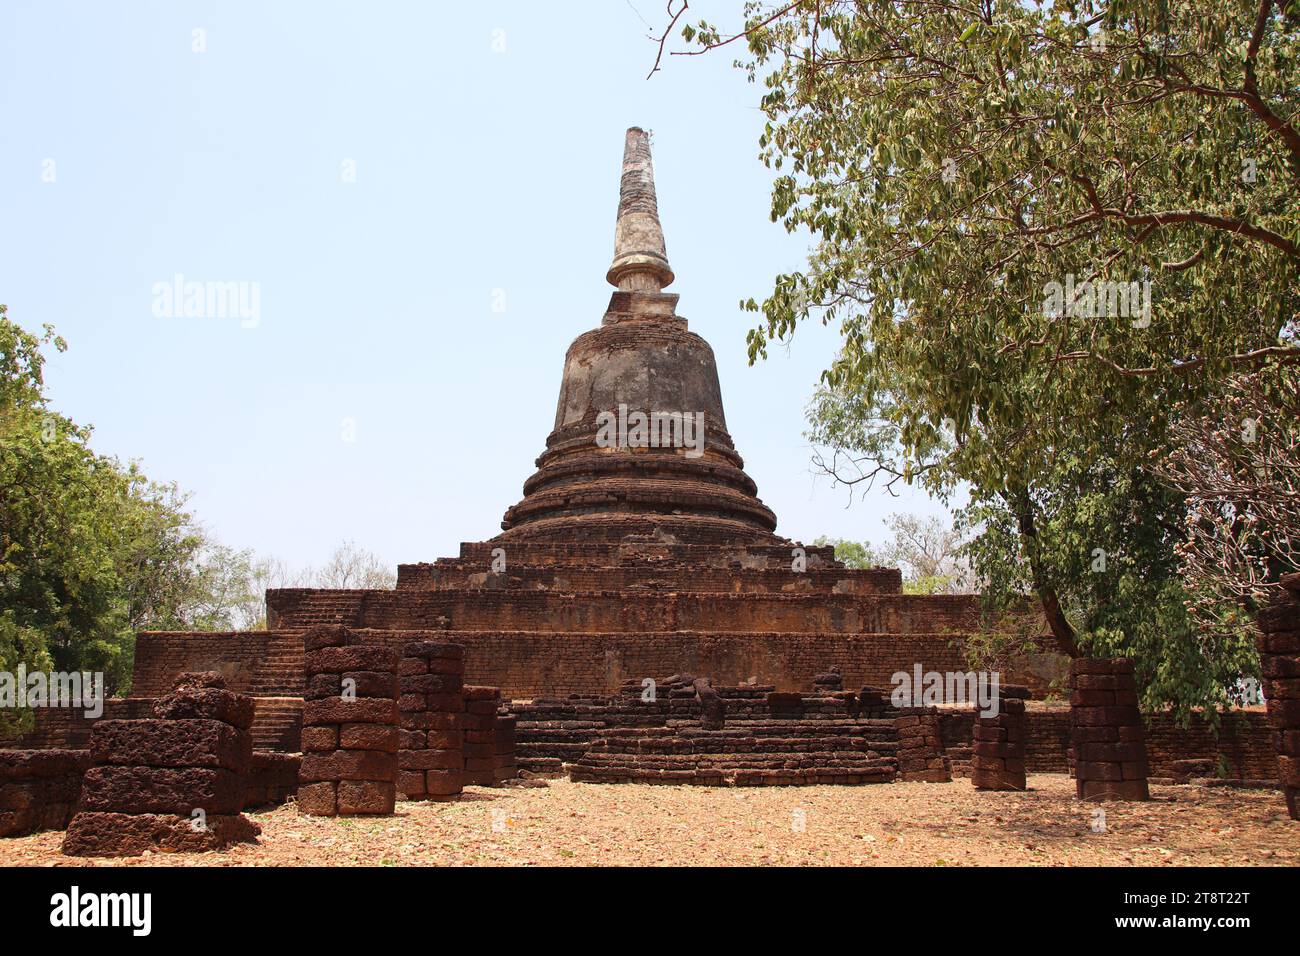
(640, 259)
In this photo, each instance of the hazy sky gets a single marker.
(484, 144)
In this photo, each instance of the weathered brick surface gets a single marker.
(1279, 651)
(431, 740)
(39, 789)
(172, 743)
(94, 833)
(175, 781)
(350, 761)
(207, 703)
(1106, 731)
(170, 790)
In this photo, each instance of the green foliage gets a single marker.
(854, 554)
(926, 550)
(90, 549)
(957, 165)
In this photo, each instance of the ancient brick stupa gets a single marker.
(630, 556)
(642, 359)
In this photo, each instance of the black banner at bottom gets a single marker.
(147, 906)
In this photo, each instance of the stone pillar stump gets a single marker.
(349, 726)
(998, 761)
(1279, 658)
(1109, 741)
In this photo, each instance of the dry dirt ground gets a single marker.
(901, 824)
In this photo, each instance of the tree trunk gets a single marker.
(1062, 632)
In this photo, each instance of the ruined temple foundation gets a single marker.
(690, 732)
(1279, 654)
(1106, 731)
(635, 551)
(639, 548)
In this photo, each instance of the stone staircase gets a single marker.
(768, 737)
(749, 753)
(277, 724)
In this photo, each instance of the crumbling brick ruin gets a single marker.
(39, 789)
(174, 782)
(746, 735)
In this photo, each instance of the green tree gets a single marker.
(90, 549)
(854, 554)
(1040, 228)
(927, 550)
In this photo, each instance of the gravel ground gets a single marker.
(901, 824)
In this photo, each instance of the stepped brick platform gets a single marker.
(673, 732)
(776, 753)
(553, 732)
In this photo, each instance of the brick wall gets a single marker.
(531, 664)
(1244, 742)
(688, 578)
(610, 611)
(545, 665)
(252, 662)
(277, 723)
(61, 728)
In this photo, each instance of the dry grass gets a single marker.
(908, 824)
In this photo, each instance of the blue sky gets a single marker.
(482, 176)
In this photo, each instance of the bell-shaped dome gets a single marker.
(640, 445)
